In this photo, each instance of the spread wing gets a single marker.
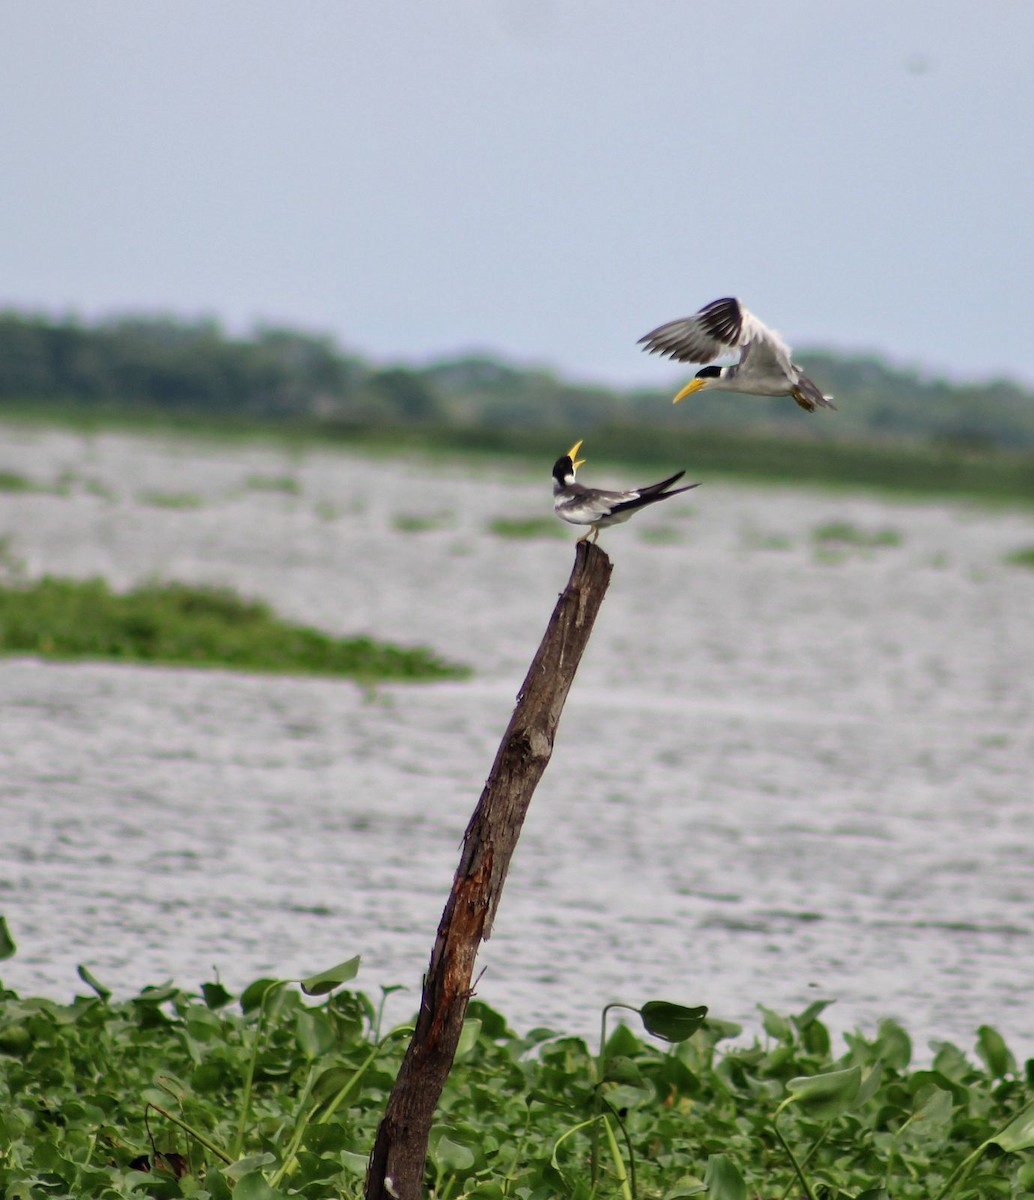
(719, 328)
(765, 353)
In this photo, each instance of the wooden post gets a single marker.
(396, 1168)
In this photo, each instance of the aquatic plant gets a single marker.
(277, 1092)
(526, 527)
(15, 481)
(175, 623)
(421, 522)
(1023, 557)
(846, 533)
(170, 499)
(273, 483)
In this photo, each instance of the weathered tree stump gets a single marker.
(396, 1166)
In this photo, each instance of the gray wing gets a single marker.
(765, 352)
(583, 505)
(717, 329)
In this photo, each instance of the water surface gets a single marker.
(785, 772)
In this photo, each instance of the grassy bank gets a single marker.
(173, 623)
(816, 454)
(905, 468)
(278, 1091)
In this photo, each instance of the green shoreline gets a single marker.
(895, 467)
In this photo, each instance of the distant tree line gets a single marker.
(167, 364)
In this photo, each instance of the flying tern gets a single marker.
(722, 327)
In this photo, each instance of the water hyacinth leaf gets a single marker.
(1018, 1134)
(625, 1096)
(202, 1023)
(932, 1113)
(7, 946)
(451, 1155)
(255, 993)
(622, 1042)
(989, 1186)
(717, 1030)
(354, 1164)
(327, 981)
(249, 1165)
(156, 995)
(216, 1184)
(869, 1086)
(949, 1060)
(255, 1186)
(330, 1082)
(215, 995)
(894, 1045)
(774, 1025)
(811, 1013)
(330, 1137)
(722, 1179)
(992, 1049)
(208, 1077)
(469, 1035)
(493, 1023)
(673, 1022)
(87, 976)
(959, 1092)
(315, 1033)
(827, 1095)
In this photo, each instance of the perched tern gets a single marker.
(580, 505)
(722, 327)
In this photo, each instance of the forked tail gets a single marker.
(808, 396)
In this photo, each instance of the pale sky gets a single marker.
(543, 179)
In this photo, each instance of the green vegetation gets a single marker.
(278, 1092)
(660, 535)
(273, 483)
(14, 481)
(421, 522)
(193, 626)
(526, 527)
(1021, 558)
(895, 429)
(171, 499)
(844, 533)
(96, 487)
(756, 539)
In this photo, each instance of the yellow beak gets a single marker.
(694, 385)
(576, 462)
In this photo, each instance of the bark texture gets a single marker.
(396, 1166)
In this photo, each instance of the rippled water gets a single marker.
(782, 774)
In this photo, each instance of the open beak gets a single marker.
(576, 462)
(694, 385)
